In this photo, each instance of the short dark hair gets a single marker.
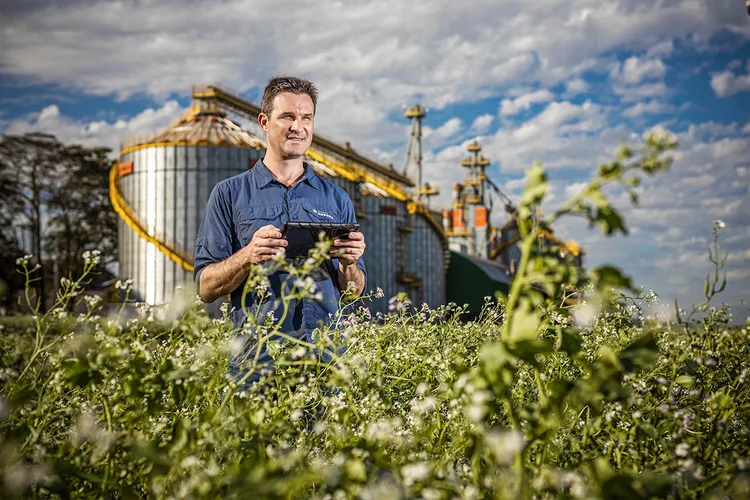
(292, 84)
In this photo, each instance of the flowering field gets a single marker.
(540, 397)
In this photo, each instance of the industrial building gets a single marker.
(162, 182)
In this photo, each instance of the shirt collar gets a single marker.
(264, 176)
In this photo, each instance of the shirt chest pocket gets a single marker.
(250, 219)
(316, 213)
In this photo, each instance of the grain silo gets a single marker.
(160, 188)
(162, 184)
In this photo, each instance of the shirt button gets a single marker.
(294, 217)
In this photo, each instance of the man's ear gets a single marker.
(263, 121)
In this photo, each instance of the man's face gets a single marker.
(289, 127)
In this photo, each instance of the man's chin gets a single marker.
(293, 154)
(296, 151)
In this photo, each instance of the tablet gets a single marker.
(302, 236)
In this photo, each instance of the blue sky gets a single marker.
(563, 82)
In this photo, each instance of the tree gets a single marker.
(80, 213)
(10, 247)
(32, 163)
(54, 204)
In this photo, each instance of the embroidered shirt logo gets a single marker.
(322, 214)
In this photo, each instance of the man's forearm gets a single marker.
(352, 274)
(222, 278)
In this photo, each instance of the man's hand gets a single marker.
(266, 243)
(221, 278)
(349, 250)
(351, 277)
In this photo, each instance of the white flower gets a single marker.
(91, 257)
(92, 300)
(475, 412)
(414, 473)
(190, 462)
(719, 224)
(585, 315)
(660, 135)
(682, 450)
(504, 445)
(24, 261)
(379, 293)
(421, 407)
(123, 285)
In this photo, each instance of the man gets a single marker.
(242, 222)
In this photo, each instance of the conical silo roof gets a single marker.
(201, 125)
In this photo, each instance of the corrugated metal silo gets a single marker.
(165, 181)
(427, 258)
(383, 221)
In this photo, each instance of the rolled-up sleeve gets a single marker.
(214, 240)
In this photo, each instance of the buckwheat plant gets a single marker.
(564, 389)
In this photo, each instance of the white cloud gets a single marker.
(156, 48)
(727, 83)
(482, 122)
(510, 107)
(698, 181)
(447, 130)
(646, 108)
(637, 80)
(95, 133)
(576, 86)
(635, 70)
(661, 49)
(637, 93)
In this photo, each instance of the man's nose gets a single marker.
(296, 124)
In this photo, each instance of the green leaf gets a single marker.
(78, 372)
(523, 323)
(356, 470)
(528, 349)
(606, 277)
(571, 341)
(536, 185)
(641, 353)
(179, 435)
(648, 430)
(692, 366)
(619, 487)
(610, 171)
(610, 221)
(685, 381)
(497, 363)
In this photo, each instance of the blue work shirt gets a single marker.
(241, 205)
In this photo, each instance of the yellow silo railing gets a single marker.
(126, 214)
(355, 175)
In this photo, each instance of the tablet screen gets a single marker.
(302, 236)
